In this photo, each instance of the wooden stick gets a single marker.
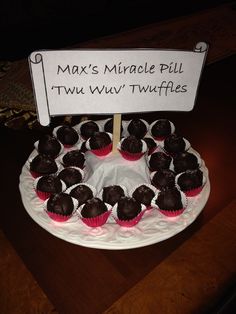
(116, 131)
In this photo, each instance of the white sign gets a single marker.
(115, 81)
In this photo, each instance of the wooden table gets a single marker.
(188, 273)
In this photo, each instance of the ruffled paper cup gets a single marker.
(128, 223)
(101, 152)
(155, 190)
(45, 195)
(193, 192)
(128, 123)
(160, 138)
(77, 127)
(58, 217)
(174, 212)
(54, 132)
(132, 156)
(97, 221)
(60, 152)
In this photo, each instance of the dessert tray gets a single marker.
(152, 228)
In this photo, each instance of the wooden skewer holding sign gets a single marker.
(116, 132)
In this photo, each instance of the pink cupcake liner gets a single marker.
(130, 156)
(97, 221)
(193, 192)
(172, 213)
(159, 139)
(102, 151)
(35, 174)
(43, 195)
(131, 222)
(58, 217)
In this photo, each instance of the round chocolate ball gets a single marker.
(159, 160)
(174, 144)
(88, 128)
(70, 176)
(49, 145)
(49, 184)
(163, 178)
(137, 128)
(99, 140)
(161, 128)
(143, 194)
(61, 204)
(74, 158)
(112, 193)
(190, 179)
(132, 144)
(169, 199)
(93, 208)
(185, 161)
(82, 193)
(67, 135)
(43, 164)
(128, 208)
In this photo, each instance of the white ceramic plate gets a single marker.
(153, 228)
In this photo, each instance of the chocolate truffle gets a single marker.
(99, 140)
(174, 144)
(151, 144)
(88, 128)
(132, 144)
(74, 158)
(43, 164)
(161, 128)
(49, 145)
(49, 184)
(164, 178)
(185, 161)
(61, 204)
(112, 193)
(93, 208)
(169, 199)
(137, 128)
(82, 193)
(108, 126)
(128, 208)
(191, 179)
(70, 176)
(67, 135)
(159, 160)
(143, 194)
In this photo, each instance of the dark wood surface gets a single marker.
(82, 280)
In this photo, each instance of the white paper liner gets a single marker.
(152, 124)
(115, 217)
(54, 132)
(60, 152)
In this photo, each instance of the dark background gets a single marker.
(45, 24)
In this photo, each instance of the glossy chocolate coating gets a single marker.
(49, 184)
(143, 194)
(93, 208)
(82, 193)
(190, 179)
(70, 176)
(60, 203)
(132, 144)
(128, 208)
(74, 158)
(111, 194)
(49, 145)
(67, 135)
